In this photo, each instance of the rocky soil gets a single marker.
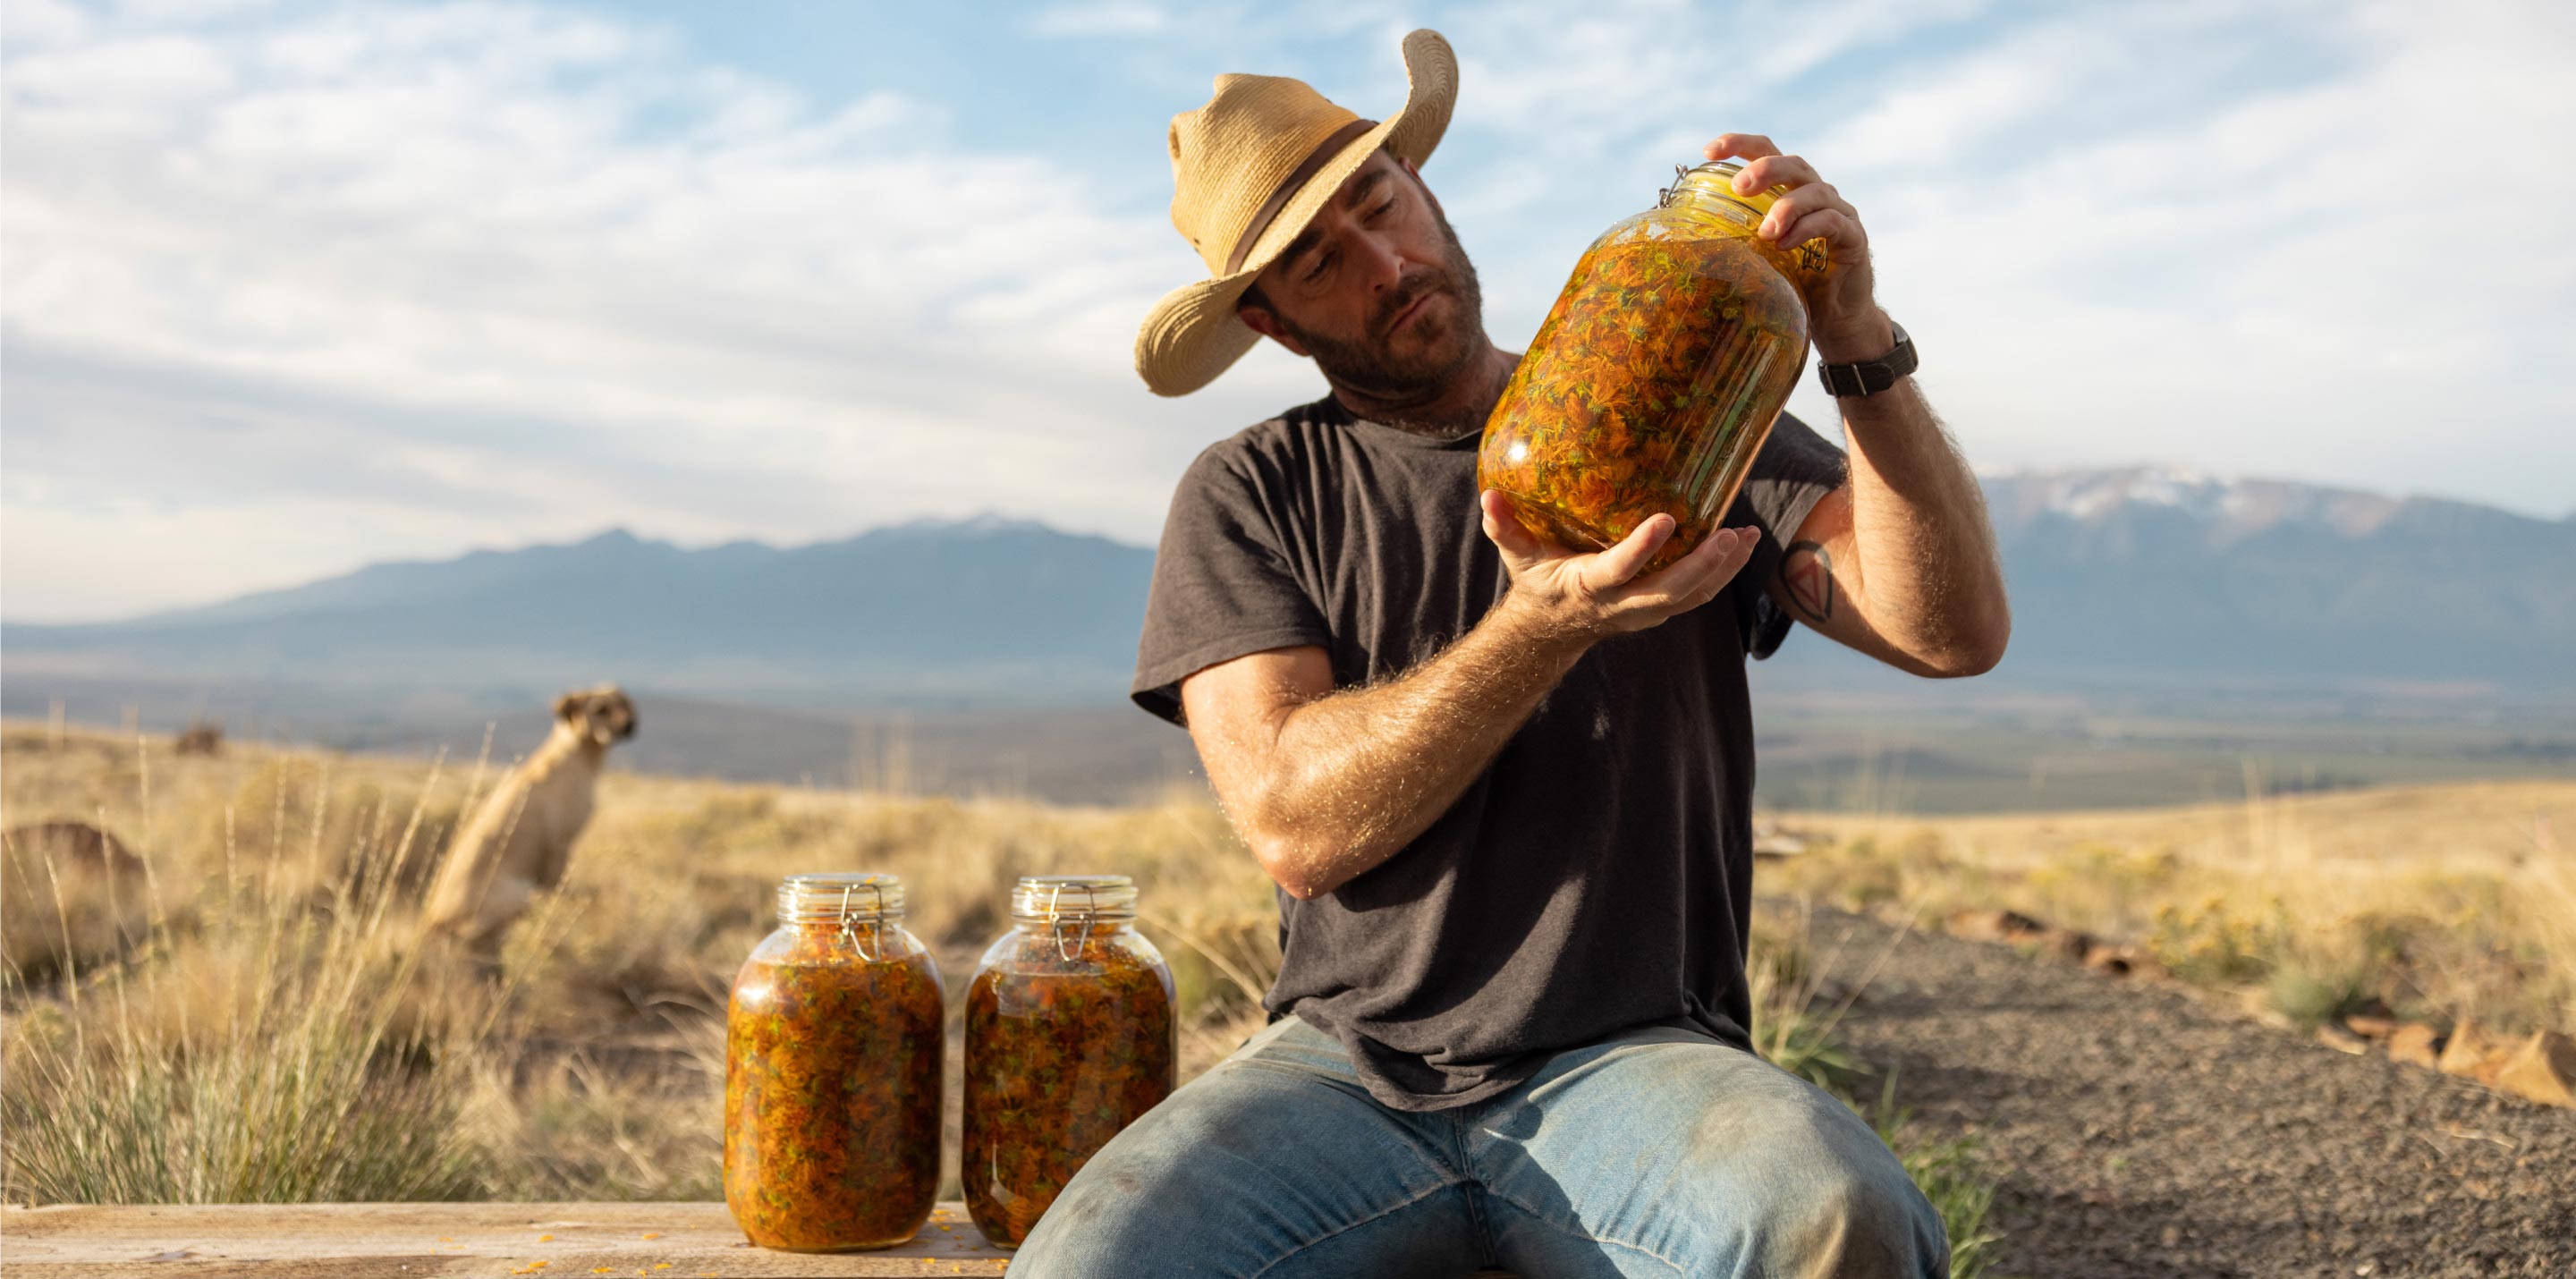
(2141, 1129)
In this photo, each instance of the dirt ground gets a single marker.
(2144, 1131)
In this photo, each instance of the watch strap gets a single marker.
(1869, 377)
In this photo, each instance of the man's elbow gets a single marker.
(1265, 821)
(1978, 646)
(1290, 863)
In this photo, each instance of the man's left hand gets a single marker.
(1843, 318)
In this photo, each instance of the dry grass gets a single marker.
(2445, 903)
(280, 1034)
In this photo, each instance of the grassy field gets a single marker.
(2443, 903)
(256, 1021)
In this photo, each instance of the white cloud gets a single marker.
(40, 23)
(1646, 74)
(533, 240)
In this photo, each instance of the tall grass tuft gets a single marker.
(1795, 1007)
(292, 1109)
(293, 1053)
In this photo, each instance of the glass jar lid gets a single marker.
(1046, 898)
(837, 896)
(1710, 189)
(1716, 180)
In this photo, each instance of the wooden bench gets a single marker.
(406, 1241)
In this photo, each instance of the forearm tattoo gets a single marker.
(1808, 573)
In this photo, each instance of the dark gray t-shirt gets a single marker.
(1598, 875)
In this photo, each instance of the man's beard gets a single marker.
(1371, 366)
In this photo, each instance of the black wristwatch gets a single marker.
(1869, 377)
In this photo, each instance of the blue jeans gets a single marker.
(1658, 1152)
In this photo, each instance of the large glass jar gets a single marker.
(1069, 1037)
(1657, 375)
(834, 1048)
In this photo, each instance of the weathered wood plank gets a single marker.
(557, 1240)
(412, 1241)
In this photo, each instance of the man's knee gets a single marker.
(1800, 1185)
(1856, 1215)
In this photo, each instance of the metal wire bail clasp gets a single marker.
(1664, 195)
(1057, 921)
(876, 925)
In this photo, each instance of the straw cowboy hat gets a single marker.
(1249, 171)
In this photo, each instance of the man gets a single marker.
(1503, 786)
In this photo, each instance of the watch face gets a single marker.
(1900, 361)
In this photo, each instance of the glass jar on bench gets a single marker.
(1655, 378)
(835, 1044)
(1069, 1037)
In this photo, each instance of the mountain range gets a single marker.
(979, 612)
(2118, 574)
(2128, 578)
(2164, 574)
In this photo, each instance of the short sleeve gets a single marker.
(1794, 471)
(1222, 584)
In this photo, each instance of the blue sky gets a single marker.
(286, 288)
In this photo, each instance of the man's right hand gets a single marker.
(1590, 597)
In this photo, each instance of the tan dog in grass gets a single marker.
(520, 840)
